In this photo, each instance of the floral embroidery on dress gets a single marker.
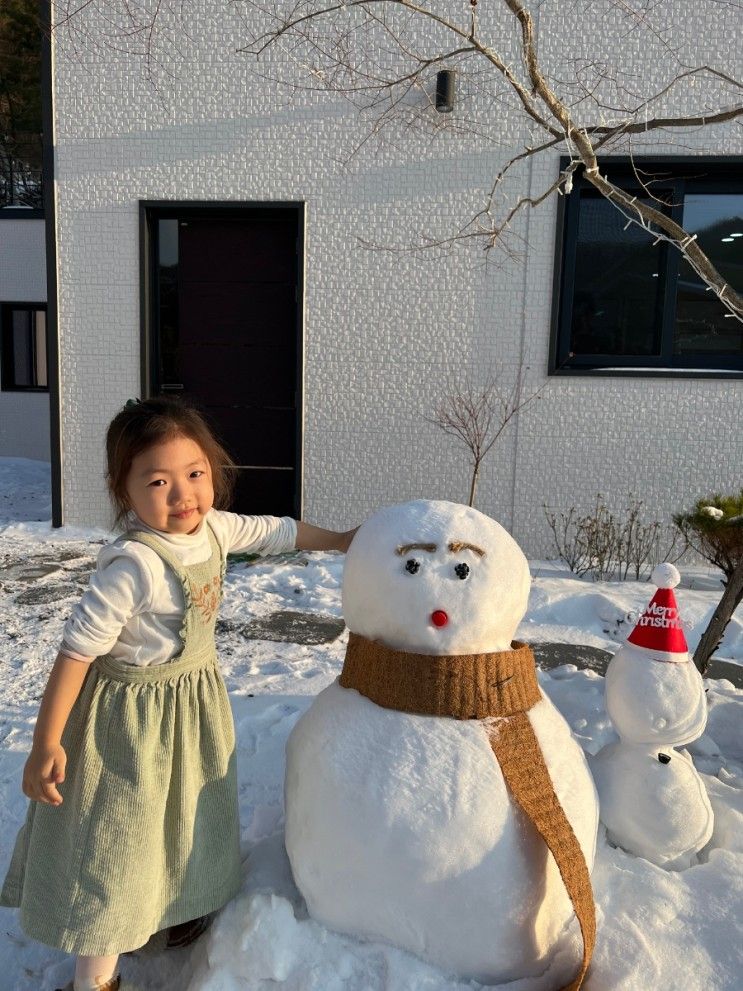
(206, 599)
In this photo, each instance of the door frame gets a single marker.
(49, 198)
(151, 211)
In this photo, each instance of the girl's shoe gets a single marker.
(113, 985)
(187, 932)
(175, 937)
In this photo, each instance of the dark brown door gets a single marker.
(227, 317)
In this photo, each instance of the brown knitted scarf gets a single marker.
(481, 686)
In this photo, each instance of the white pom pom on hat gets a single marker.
(665, 576)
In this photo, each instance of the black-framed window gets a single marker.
(624, 305)
(23, 347)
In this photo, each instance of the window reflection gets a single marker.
(24, 359)
(167, 253)
(628, 302)
(617, 284)
(701, 326)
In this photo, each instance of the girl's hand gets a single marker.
(44, 770)
(314, 538)
(346, 538)
(45, 767)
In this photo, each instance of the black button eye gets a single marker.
(462, 571)
(412, 566)
(664, 758)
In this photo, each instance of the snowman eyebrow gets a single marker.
(405, 548)
(461, 545)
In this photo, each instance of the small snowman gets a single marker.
(435, 798)
(653, 801)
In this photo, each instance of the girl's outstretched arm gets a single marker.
(45, 767)
(314, 538)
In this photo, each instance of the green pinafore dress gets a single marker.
(147, 835)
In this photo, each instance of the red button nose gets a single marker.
(439, 618)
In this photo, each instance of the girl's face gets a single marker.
(169, 486)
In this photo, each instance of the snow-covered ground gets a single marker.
(25, 489)
(657, 929)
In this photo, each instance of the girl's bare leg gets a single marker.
(92, 972)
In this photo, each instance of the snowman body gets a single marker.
(654, 701)
(653, 802)
(400, 827)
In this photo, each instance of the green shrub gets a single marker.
(714, 529)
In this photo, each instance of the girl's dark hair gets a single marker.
(142, 423)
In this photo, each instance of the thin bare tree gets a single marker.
(478, 414)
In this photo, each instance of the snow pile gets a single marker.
(565, 608)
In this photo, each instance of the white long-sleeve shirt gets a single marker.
(133, 607)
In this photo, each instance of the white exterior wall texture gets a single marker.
(384, 332)
(24, 416)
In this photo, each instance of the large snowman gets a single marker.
(402, 826)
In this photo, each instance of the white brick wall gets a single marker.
(24, 417)
(384, 332)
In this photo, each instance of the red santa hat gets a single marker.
(659, 630)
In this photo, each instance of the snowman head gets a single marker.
(435, 578)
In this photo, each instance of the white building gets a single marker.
(207, 241)
(25, 202)
(24, 395)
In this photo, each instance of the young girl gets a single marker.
(133, 824)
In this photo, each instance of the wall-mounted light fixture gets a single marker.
(445, 91)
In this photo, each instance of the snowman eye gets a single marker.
(412, 566)
(462, 570)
